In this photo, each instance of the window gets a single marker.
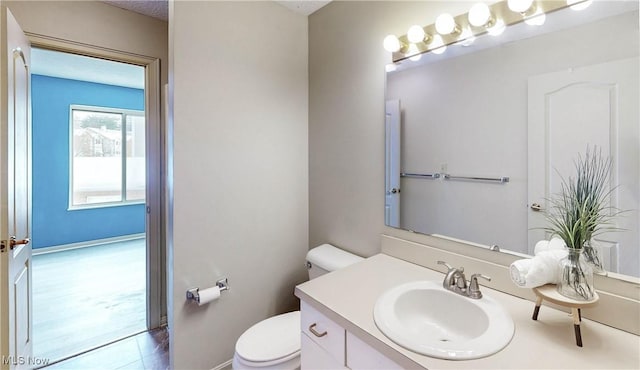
(107, 157)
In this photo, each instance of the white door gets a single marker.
(15, 192)
(392, 163)
(596, 106)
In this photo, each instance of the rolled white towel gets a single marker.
(519, 270)
(557, 244)
(542, 245)
(539, 270)
(549, 245)
(545, 268)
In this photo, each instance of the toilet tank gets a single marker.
(326, 258)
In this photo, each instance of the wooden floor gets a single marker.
(85, 298)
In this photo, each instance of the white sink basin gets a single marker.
(423, 317)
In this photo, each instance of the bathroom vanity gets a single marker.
(341, 305)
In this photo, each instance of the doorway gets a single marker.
(91, 278)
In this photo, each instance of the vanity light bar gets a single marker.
(500, 11)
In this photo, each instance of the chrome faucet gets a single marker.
(455, 281)
(454, 277)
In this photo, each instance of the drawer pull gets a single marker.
(319, 335)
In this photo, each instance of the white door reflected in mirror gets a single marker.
(595, 106)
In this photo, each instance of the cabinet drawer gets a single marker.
(326, 333)
(315, 358)
(360, 355)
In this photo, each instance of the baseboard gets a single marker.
(90, 243)
(224, 366)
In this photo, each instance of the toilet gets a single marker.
(274, 343)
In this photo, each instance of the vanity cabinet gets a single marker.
(323, 341)
(327, 345)
(313, 356)
(347, 297)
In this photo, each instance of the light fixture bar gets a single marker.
(500, 11)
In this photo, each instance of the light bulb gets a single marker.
(414, 52)
(437, 45)
(415, 34)
(479, 15)
(520, 6)
(579, 4)
(497, 28)
(391, 43)
(445, 24)
(537, 19)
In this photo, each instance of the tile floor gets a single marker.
(148, 350)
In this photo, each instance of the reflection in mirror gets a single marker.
(509, 120)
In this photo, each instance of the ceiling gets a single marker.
(153, 8)
(307, 7)
(160, 8)
(76, 67)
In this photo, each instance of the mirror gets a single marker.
(478, 137)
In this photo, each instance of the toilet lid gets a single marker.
(271, 339)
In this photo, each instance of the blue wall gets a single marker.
(53, 224)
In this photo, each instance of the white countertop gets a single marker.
(348, 296)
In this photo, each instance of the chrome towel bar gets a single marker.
(473, 178)
(421, 175)
(447, 176)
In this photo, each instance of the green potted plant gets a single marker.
(577, 214)
(592, 192)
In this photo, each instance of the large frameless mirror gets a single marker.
(478, 137)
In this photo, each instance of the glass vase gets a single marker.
(576, 276)
(593, 256)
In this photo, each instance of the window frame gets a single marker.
(124, 113)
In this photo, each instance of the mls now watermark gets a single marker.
(24, 360)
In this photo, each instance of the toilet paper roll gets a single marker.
(208, 295)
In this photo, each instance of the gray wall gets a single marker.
(346, 116)
(95, 23)
(240, 180)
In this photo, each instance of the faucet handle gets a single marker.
(474, 287)
(461, 269)
(476, 276)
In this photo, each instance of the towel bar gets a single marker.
(474, 178)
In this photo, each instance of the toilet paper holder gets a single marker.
(194, 295)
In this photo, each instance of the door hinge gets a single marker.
(3, 246)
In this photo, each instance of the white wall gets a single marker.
(240, 189)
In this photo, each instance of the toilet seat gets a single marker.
(272, 341)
